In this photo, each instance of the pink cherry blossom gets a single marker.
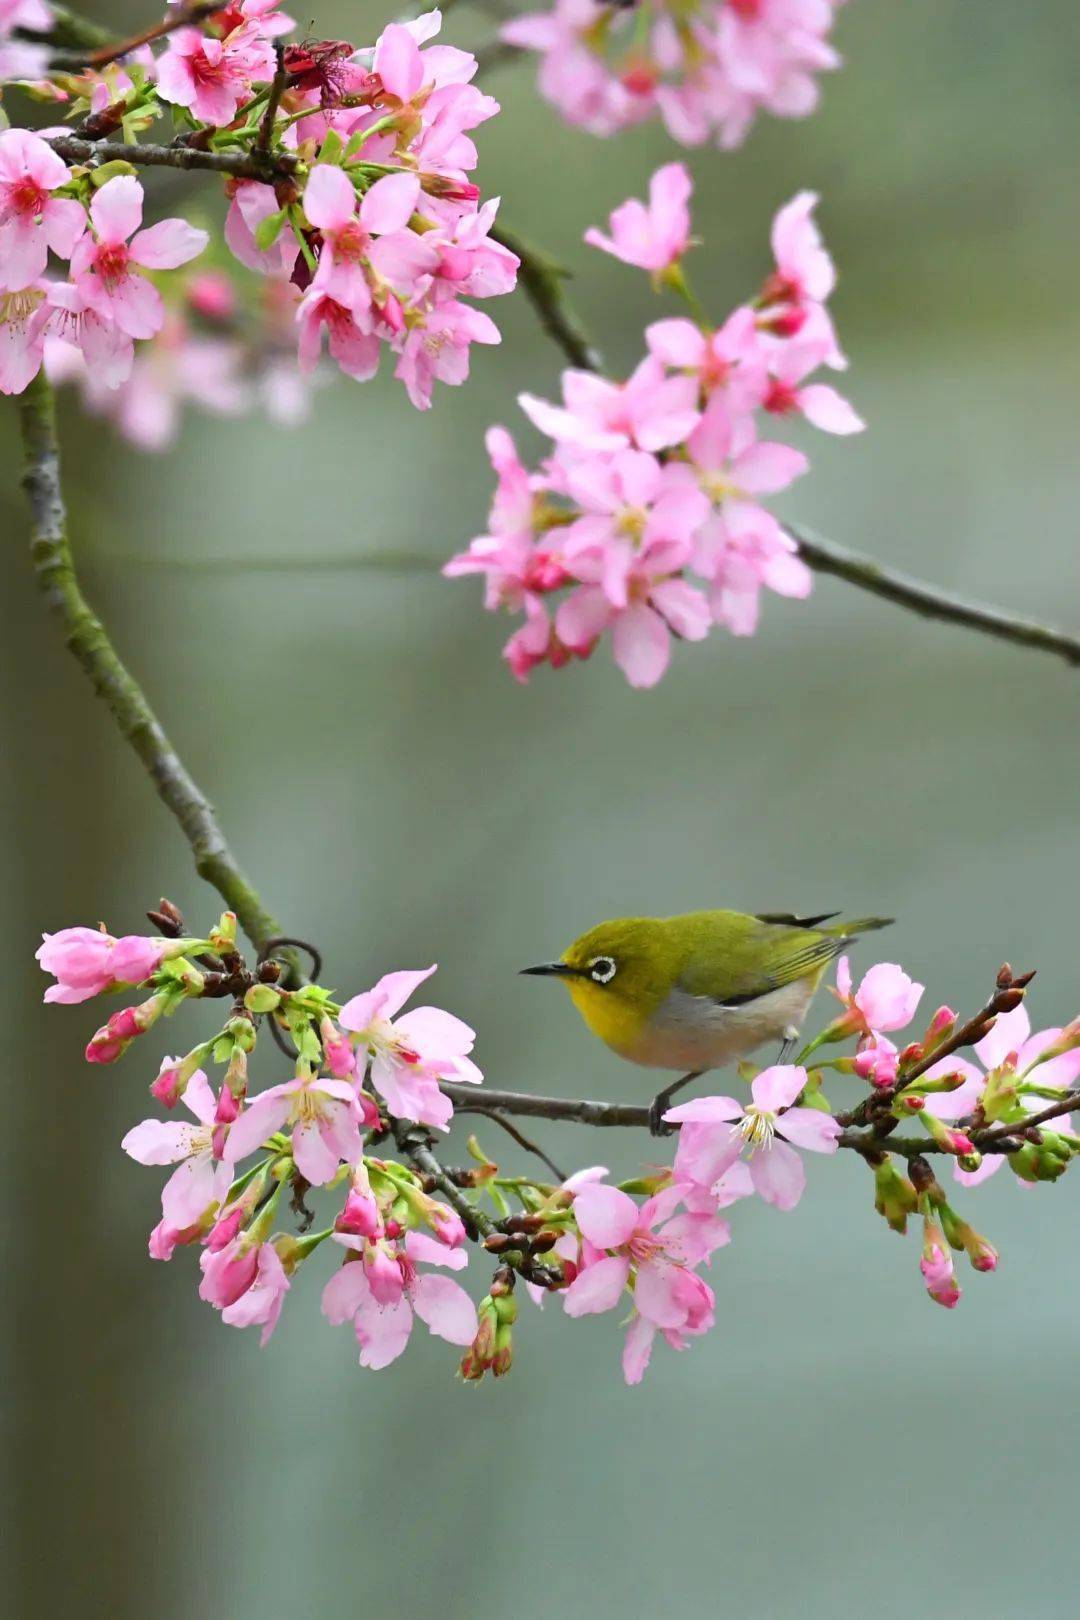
(654, 235)
(383, 1324)
(325, 1120)
(85, 962)
(886, 999)
(770, 1128)
(203, 1176)
(106, 267)
(330, 204)
(246, 1282)
(411, 1054)
(786, 395)
(805, 274)
(650, 410)
(211, 76)
(437, 349)
(32, 220)
(643, 1251)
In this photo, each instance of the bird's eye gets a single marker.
(602, 969)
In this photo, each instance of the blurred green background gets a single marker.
(838, 1445)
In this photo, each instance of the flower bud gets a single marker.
(337, 1050)
(174, 1075)
(939, 1029)
(947, 1136)
(262, 998)
(937, 1267)
(116, 1036)
(894, 1196)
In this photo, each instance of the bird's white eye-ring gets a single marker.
(602, 969)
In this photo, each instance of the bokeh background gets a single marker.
(838, 1445)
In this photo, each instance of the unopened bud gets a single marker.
(894, 1196)
(262, 998)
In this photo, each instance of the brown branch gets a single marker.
(241, 165)
(182, 17)
(414, 1141)
(277, 90)
(542, 282)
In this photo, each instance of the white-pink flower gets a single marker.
(770, 1129)
(32, 220)
(325, 1118)
(106, 267)
(410, 1055)
(654, 235)
(203, 1176)
(382, 1314)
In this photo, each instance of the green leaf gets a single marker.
(109, 171)
(332, 147)
(268, 230)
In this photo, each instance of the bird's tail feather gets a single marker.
(858, 925)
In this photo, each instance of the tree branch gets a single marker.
(542, 282)
(256, 165)
(88, 640)
(929, 601)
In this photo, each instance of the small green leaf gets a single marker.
(109, 171)
(268, 230)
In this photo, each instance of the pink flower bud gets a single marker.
(167, 1087)
(224, 1230)
(338, 1051)
(360, 1215)
(383, 1274)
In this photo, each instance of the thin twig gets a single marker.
(87, 638)
(930, 601)
(182, 17)
(511, 1130)
(241, 165)
(277, 90)
(415, 1142)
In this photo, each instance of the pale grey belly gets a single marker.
(692, 1032)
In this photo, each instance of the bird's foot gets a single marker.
(658, 1125)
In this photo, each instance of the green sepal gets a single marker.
(269, 229)
(109, 171)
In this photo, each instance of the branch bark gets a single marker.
(256, 165)
(88, 640)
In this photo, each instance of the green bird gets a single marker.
(697, 991)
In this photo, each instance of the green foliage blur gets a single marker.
(835, 1446)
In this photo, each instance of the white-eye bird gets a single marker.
(697, 991)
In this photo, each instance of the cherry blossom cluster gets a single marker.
(646, 519)
(366, 227)
(366, 1074)
(706, 67)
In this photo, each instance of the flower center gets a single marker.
(757, 1128)
(630, 521)
(111, 263)
(24, 197)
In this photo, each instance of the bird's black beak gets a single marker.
(561, 970)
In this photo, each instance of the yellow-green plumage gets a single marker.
(702, 989)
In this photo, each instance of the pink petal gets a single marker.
(390, 203)
(65, 222)
(329, 197)
(435, 1032)
(382, 1331)
(424, 1249)
(398, 62)
(158, 1141)
(1007, 1036)
(777, 1087)
(258, 1121)
(384, 1000)
(192, 1188)
(165, 246)
(809, 1128)
(676, 342)
(705, 1111)
(828, 410)
(446, 1308)
(199, 1098)
(116, 210)
(344, 1293)
(315, 1159)
(641, 643)
(598, 1288)
(637, 1349)
(778, 1175)
(656, 1295)
(606, 1216)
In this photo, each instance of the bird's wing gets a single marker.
(742, 962)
